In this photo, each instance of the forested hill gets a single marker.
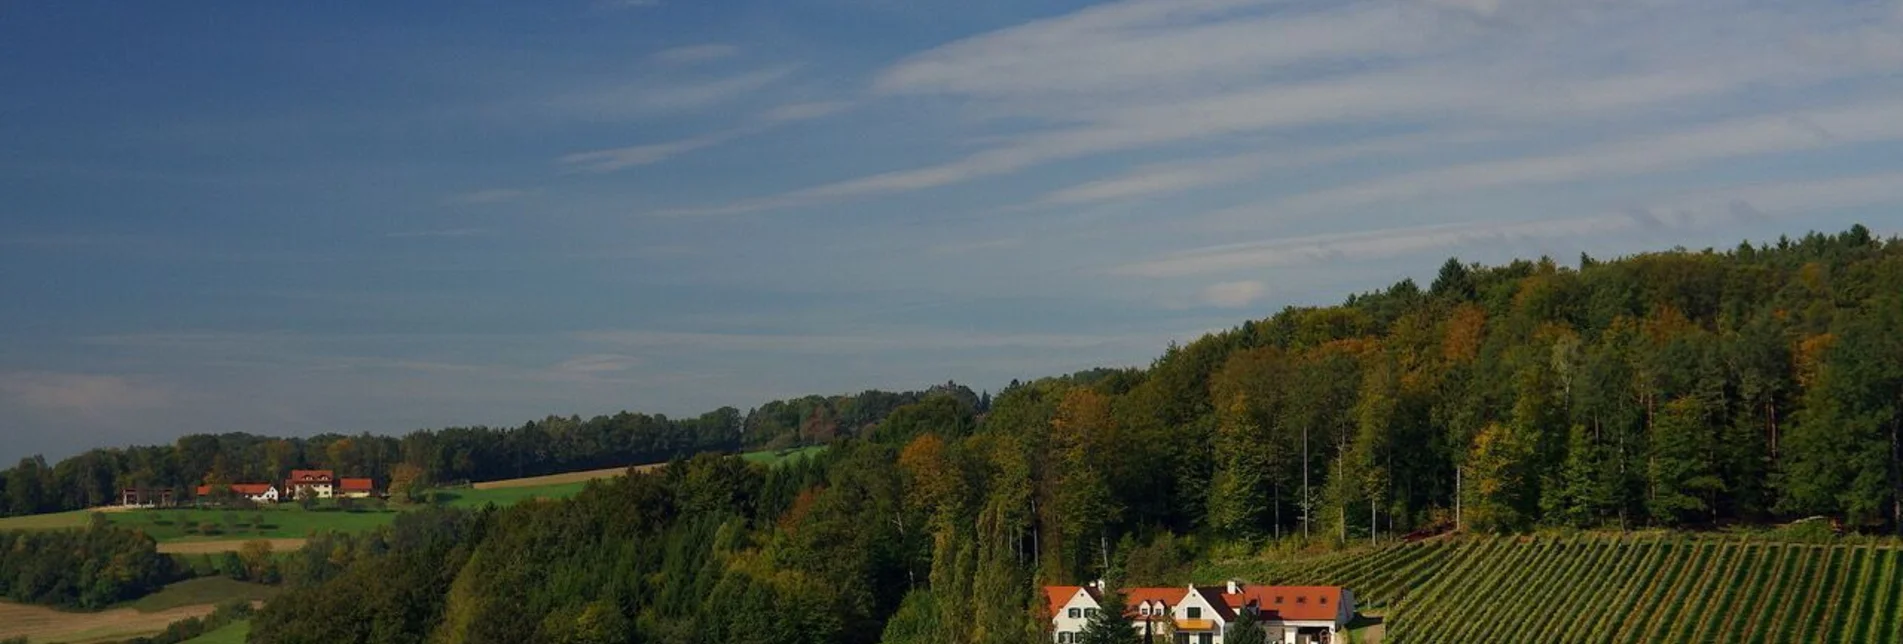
(552, 445)
(1667, 389)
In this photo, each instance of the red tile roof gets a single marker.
(1134, 597)
(1320, 603)
(1057, 596)
(313, 476)
(357, 485)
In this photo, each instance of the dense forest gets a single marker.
(551, 445)
(90, 568)
(1674, 389)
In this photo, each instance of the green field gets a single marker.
(289, 521)
(202, 591)
(782, 456)
(233, 633)
(1608, 588)
(474, 498)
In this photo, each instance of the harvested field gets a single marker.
(42, 624)
(562, 479)
(229, 545)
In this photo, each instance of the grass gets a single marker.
(54, 521)
(1633, 587)
(233, 633)
(781, 456)
(199, 592)
(504, 496)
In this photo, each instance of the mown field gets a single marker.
(1613, 589)
(233, 633)
(149, 615)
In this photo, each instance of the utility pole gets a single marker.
(1305, 496)
(1457, 496)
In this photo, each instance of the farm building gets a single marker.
(147, 497)
(259, 492)
(321, 484)
(356, 488)
(1203, 614)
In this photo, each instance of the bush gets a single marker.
(208, 528)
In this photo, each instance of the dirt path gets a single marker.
(42, 624)
(229, 545)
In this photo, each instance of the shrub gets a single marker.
(208, 528)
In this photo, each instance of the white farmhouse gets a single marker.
(1203, 614)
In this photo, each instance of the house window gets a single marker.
(1278, 599)
(1205, 638)
(1324, 599)
(1090, 612)
(1301, 600)
(1065, 637)
(1195, 612)
(1075, 613)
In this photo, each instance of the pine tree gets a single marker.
(1246, 630)
(1110, 625)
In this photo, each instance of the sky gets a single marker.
(295, 218)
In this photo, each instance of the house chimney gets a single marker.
(1099, 584)
(1235, 587)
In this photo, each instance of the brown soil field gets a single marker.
(41, 624)
(229, 545)
(558, 479)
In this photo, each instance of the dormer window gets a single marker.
(1278, 599)
(1076, 613)
(1301, 600)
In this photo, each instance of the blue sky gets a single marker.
(292, 218)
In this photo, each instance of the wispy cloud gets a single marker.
(91, 396)
(1234, 294)
(658, 96)
(1702, 209)
(696, 53)
(969, 247)
(1860, 124)
(613, 159)
(449, 233)
(1116, 77)
(804, 111)
(595, 363)
(488, 196)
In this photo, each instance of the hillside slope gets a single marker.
(1612, 588)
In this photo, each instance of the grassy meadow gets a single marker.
(233, 633)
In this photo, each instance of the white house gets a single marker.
(1203, 614)
(322, 484)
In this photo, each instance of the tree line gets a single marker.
(89, 568)
(552, 445)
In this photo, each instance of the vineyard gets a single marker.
(1615, 589)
